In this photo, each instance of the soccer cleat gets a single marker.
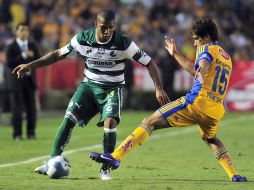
(105, 174)
(105, 158)
(41, 169)
(238, 178)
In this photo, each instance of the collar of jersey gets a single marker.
(213, 43)
(103, 42)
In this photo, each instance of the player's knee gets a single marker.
(110, 123)
(208, 140)
(148, 123)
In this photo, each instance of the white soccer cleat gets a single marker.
(41, 169)
(105, 174)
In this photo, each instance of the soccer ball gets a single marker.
(58, 167)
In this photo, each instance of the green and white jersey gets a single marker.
(105, 62)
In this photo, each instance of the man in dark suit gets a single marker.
(23, 96)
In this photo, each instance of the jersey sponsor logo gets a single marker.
(96, 63)
(224, 54)
(219, 62)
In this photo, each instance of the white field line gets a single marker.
(159, 136)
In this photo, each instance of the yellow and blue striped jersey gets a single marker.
(209, 96)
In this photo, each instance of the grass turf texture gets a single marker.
(171, 159)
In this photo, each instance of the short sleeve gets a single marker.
(72, 45)
(135, 53)
(206, 56)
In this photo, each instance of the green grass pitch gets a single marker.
(172, 159)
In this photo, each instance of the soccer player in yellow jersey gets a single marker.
(203, 105)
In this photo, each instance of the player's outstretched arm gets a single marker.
(49, 58)
(161, 95)
(183, 61)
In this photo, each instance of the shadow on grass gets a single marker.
(191, 180)
(165, 179)
(81, 178)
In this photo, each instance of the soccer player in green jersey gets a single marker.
(104, 51)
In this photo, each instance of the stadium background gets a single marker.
(53, 23)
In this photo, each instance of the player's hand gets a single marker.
(20, 70)
(162, 96)
(30, 53)
(170, 46)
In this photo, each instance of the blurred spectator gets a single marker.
(18, 13)
(54, 22)
(5, 15)
(51, 19)
(3, 87)
(23, 96)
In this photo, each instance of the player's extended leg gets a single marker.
(137, 138)
(140, 135)
(221, 154)
(166, 116)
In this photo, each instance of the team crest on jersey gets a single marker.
(224, 54)
(101, 51)
(127, 145)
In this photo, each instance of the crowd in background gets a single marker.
(54, 22)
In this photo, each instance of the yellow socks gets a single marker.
(138, 137)
(225, 161)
